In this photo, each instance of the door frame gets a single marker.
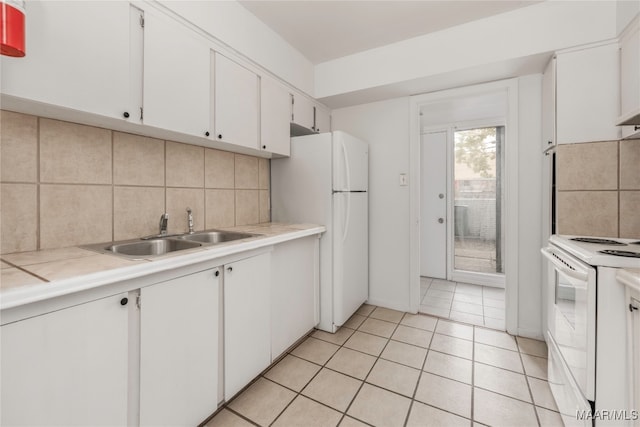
(510, 190)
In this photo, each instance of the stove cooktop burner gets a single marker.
(615, 252)
(598, 240)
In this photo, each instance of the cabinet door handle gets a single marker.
(124, 301)
(632, 308)
(636, 128)
(206, 133)
(219, 136)
(264, 147)
(549, 142)
(126, 114)
(229, 269)
(217, 273)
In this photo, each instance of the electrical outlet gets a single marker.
(403, 180)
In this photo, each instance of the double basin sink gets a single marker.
(161, 245)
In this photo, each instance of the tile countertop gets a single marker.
(29, 277)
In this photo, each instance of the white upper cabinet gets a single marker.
(236, 108)
(176, 76)
(303, 112)
(77, 57)
(275, 116)
(323, 120)
(630, 80)
(587, 94)
(549, 106)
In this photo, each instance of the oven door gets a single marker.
(572, 315)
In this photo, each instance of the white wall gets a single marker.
(529, 31)
(626, 10)
(385, 125)
(529, 199)
(232, 24)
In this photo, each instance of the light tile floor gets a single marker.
(387, 368)
(478, 305)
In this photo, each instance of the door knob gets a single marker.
(441, 196)
(440, 220)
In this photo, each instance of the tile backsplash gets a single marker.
(598, 189)
(64, 184)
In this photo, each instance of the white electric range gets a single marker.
(586, 328)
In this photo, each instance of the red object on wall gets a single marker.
(12, 28)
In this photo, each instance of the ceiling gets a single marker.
(324, 29)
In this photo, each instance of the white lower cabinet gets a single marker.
(294, 292)
(67, 367)
(247, 321)
(179, 331)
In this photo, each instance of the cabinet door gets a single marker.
(323, 120)
(303, 113)
(587, 103)
(176, 76)
(630, 73)
(294, 292)
(247, 321)
(549, 106)
(77, 57)
(275, 116)
(68, 367)
(179, 350)
(236, 103)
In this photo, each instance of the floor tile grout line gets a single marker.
(379, 357)
(371, 369)
(236, 413)
(526, 378)
(415, 389)
(323, 366)
(473, 375)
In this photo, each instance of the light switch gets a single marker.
(403, 180)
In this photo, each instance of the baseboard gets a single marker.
(387, 304)
(535, 334)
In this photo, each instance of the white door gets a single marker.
(350, 163)
(179, 350)
(350, 254)
(433, 200)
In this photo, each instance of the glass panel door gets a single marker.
(478, 200)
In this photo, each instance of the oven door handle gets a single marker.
(550, 254)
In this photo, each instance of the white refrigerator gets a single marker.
(325, 181)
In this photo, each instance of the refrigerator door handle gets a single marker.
(346, 165)
(347, 219)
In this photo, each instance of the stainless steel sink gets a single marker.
(152, 247)
(214, 237)
(138, 249)
(156, 246)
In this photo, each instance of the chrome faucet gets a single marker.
(164, 218)
(190, 220)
